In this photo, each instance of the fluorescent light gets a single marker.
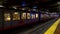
(1, 6)
(58, 2)
(14, 7)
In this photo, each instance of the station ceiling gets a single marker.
(48, 4)
(30, 2)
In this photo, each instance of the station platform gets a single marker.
(54, 29)
(51, 27)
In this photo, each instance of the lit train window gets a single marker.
(28, 15)
(23, 16)
(33, 16)
(36, 15)
(16, 16)
(7, 17)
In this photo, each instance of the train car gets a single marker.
(12, 18)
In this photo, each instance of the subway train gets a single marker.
(11, 18)
(54, 15)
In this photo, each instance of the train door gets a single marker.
(37, 17)
(33, 17)
(23, 18)
(15, 18)
(7, 19)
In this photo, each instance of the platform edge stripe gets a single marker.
(52, 29)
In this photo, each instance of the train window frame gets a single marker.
(16, 19)
(33, 14)
(25, 17)
(5, 17)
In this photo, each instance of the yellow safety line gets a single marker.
(52, 29)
